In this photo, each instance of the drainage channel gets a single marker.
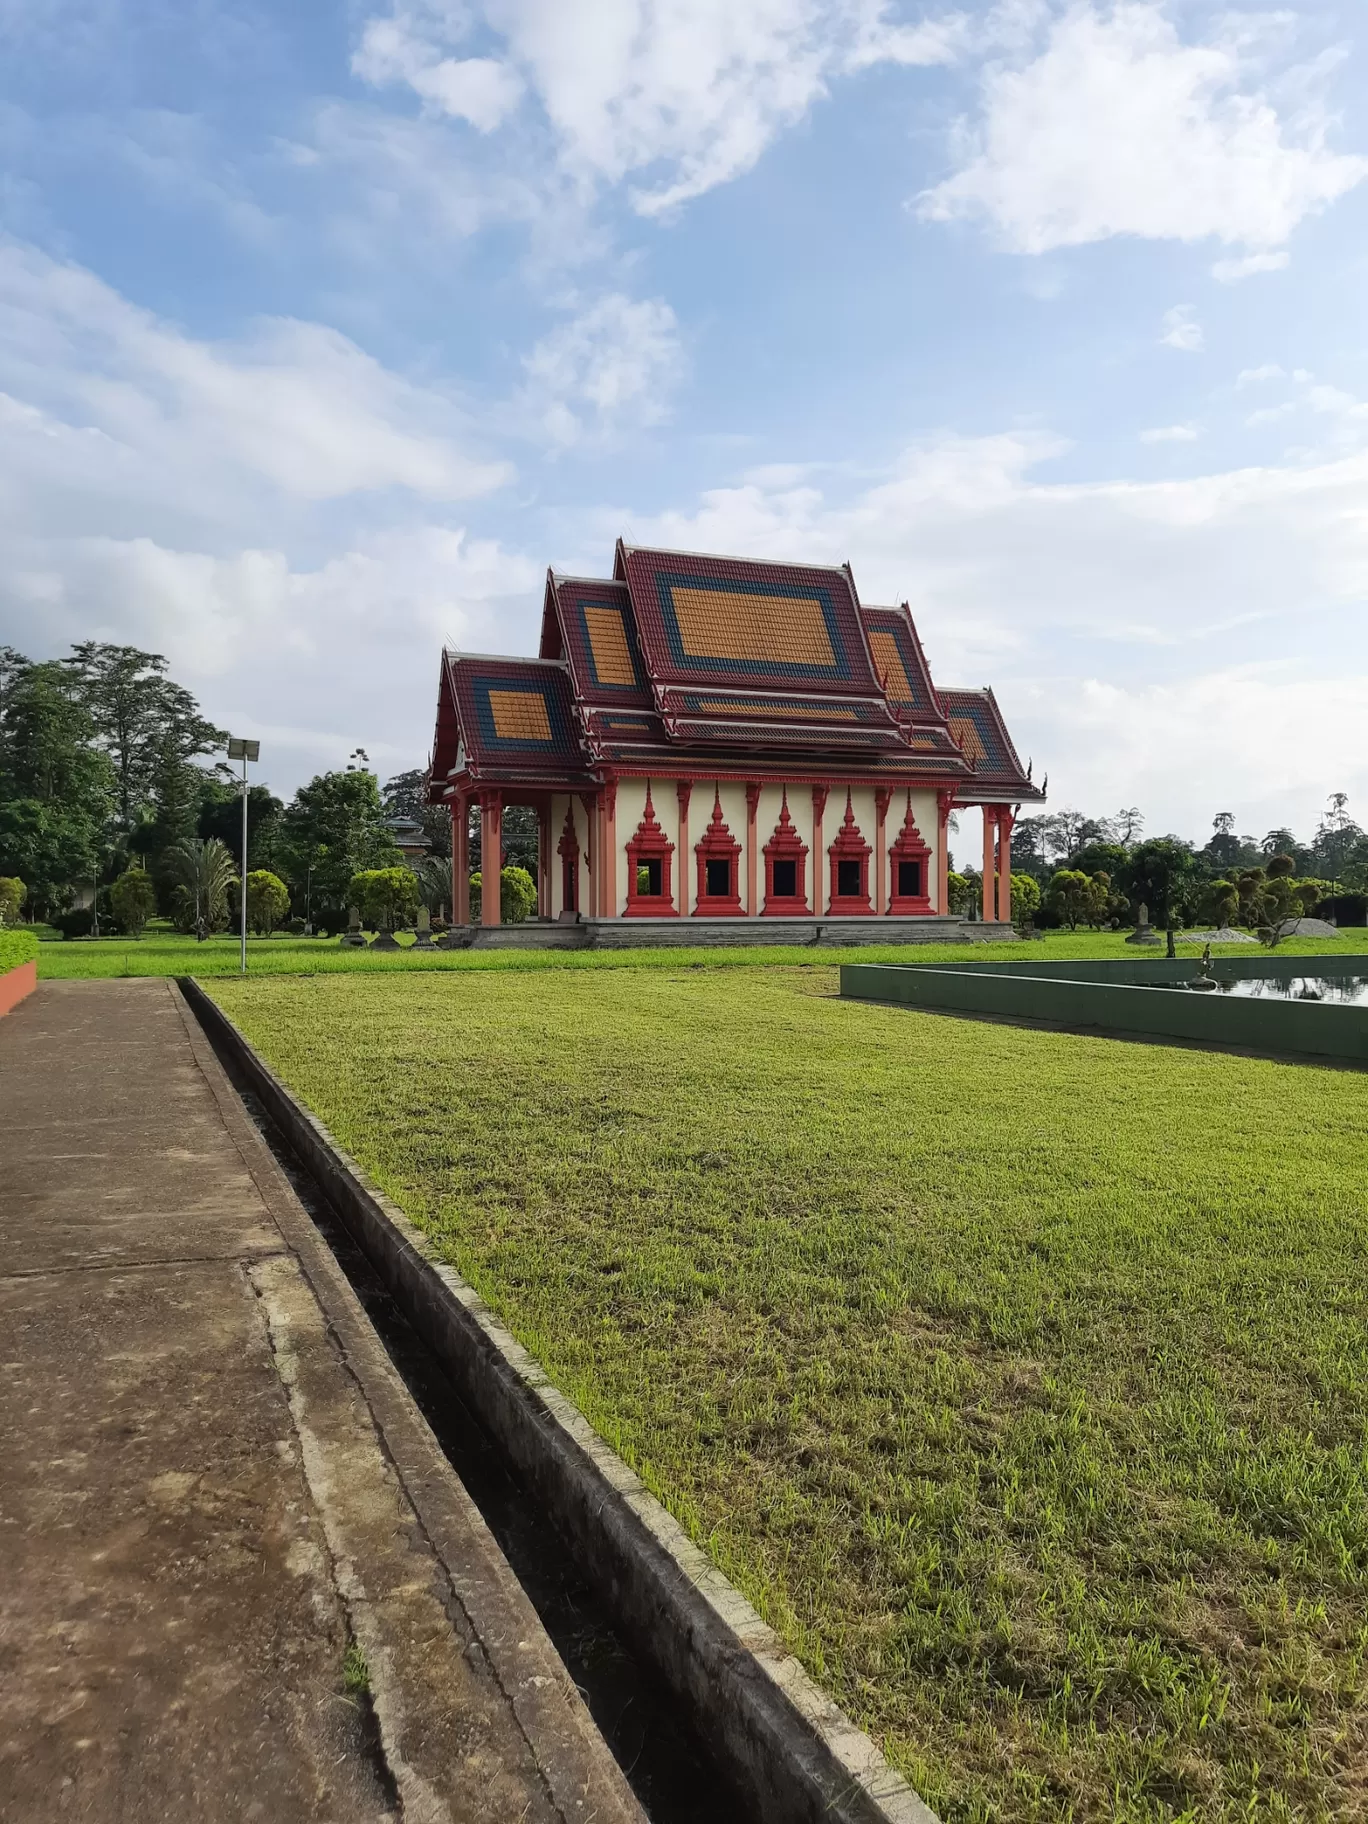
(675, 1779)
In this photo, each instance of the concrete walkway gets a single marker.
(214, 1489)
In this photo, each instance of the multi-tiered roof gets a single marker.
(682, 662)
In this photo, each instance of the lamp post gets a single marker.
(244, 751)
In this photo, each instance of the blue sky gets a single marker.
(324, 329)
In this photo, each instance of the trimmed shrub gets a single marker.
(388, 897)
(517, 896)
(78, 922)
(268, 900)
(133, 900)
(13, 893)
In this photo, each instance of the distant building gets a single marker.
(708, 738)
(409, 837)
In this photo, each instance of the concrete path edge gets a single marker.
(794, 1751)
(581, 1778)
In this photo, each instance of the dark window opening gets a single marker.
(649, 878)
(909, 879)
(785, 879)
(848, 879)
(719, 880)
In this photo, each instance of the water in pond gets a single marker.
(1334, 990)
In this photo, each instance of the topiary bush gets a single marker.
(388, 897)
(133, 900)
(517, 896)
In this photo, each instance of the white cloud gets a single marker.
(1182, 330)
(1119, 127)
(110, 393)
(314, 659)
(257, 510)
(1230, 272)
(1126, 627)
(616, 363)
(1252, 376)
(1171, 433)
(478, 89)
(680, 95)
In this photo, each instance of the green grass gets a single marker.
(165, 953)
(1020, 1378)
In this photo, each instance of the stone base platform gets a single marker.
(649, 933)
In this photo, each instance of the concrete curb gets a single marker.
(788, 1746)
(1098, 997)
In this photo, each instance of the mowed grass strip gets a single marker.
(161, 952)
(1020, 1378)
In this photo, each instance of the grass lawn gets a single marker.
(163, 952)
(1019, 1378)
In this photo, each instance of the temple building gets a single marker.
(712, 739)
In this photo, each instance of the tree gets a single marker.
(336, 828)
(1077, 898)
(220, 814)
(521, 838)
(147, 724)
(434, 884)
(13, 893)
(387, 896)
(1107, 858)
(1158, 874)
(133, 899)
(1220, 902)
(1337, 839)
(204, 877)
(1025, 898)
(56, 788)
(1128, 825)
(268, 900)
(960, 888)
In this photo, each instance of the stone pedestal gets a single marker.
(352, 935)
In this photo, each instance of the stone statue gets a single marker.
(352, 936)
(423, 941)
(1142, 933)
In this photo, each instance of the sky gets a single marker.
(325, 328)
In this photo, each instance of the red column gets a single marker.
(989, 865)
(491, 857)
(819, 857)
(683, 791)
(882, 796)
(544, 859)
(591, 852)
(610, 852)
(752, 800)
(945, 799)
(1005, 822)
(460, 861)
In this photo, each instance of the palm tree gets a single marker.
(204, 874)
(434, 883)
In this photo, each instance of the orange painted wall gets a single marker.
(15, 984)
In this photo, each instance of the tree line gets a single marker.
(1071, 869)
(115, 806)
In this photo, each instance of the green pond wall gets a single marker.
(1125, 997)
